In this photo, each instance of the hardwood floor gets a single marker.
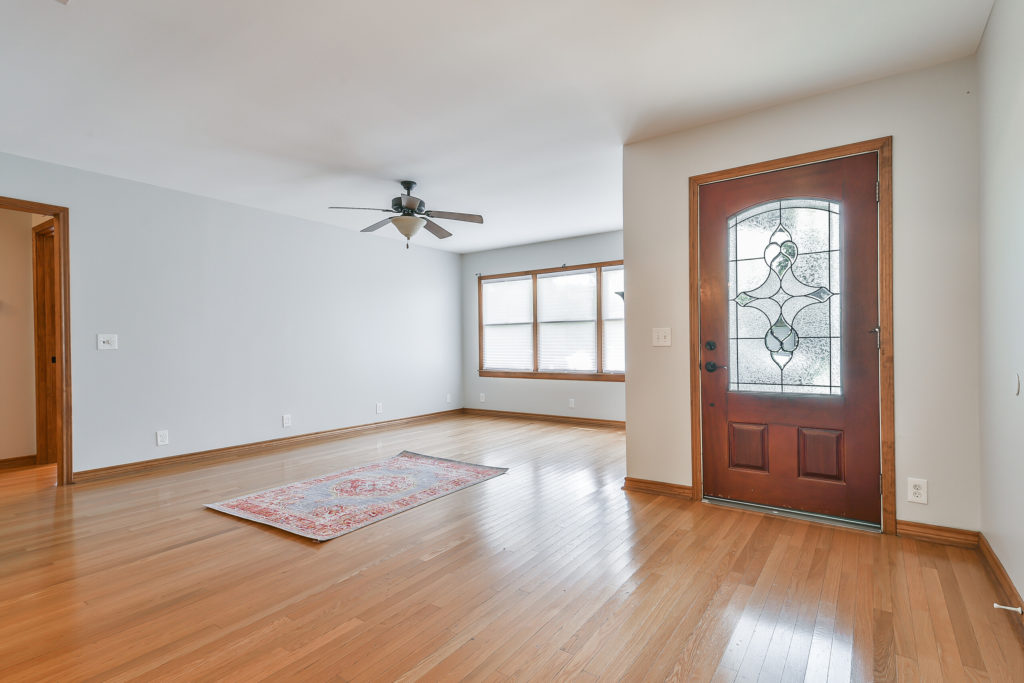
(548, 572)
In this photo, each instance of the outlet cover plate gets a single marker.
(917, 490)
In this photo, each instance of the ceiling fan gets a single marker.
(413, 215)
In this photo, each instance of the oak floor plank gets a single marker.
(549, 572)
(945, 639)
(928, 663)
(803, 630)
(785, 630)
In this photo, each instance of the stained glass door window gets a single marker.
(785, 303)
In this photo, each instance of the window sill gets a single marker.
(585, 376)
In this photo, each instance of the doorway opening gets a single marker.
(791, 334)
(39, 233)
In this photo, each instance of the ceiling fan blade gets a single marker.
(360, 208)
(436, 230)
(376, 226)
(450, 215)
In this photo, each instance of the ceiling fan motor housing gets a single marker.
(408, 205)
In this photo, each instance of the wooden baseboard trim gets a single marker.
(22, 461)
(658, 488)
(1008, 593)
(579, 421)
(945, 535)
(217, 455)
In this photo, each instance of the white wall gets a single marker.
(600, 400)
(230, 317)
(936, 213)
(1001, 67)
(17, 358)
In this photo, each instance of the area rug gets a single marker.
(335, 504)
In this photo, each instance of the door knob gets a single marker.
(711, 366)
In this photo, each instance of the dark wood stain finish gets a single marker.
(884, 148)
(820, 453)
(748, 446)
(851, 182)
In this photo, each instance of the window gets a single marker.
(557, 323)
(784, 301)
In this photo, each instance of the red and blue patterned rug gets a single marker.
(334, 504)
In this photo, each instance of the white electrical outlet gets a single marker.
(286, 420)
(917, 490)
(483, 398)
(380, 408)
(447, 398)
(163, 437)
(661, 336)
(572, 403)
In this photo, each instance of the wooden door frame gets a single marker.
(883, 146)
(65, 470)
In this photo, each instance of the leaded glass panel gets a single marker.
(785, 306)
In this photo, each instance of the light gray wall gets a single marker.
(600, 400)
(933, 117)
(230, 317)
(17, 361)
(1001, 67)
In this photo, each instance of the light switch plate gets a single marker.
(106, 342)
(661, 336)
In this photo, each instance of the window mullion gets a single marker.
(598, 320)
(536, 328)
(480, 321)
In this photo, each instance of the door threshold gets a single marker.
(796, 514)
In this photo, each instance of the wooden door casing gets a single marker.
(61, 331)
(791, 431)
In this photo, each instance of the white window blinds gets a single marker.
(507, 309)
(613, 318)
(554, 323)
(566, 317)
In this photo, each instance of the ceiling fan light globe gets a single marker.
(408, 225)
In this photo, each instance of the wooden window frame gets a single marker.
(598, 376)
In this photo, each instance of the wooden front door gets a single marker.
(789, 338)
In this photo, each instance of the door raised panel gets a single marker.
(748, 446)
(820, 453)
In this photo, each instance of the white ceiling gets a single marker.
(516, 110)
